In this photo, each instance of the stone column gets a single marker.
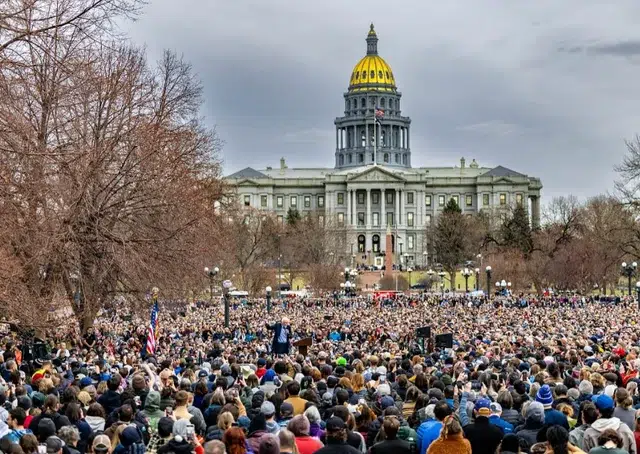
(337, 138)
(348, 219)
(396, 202)
(383, 209)
(403, 195)
(367, 216)
(535, 212)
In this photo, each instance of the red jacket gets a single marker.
(308, 445)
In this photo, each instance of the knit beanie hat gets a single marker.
(585, 387)
(544, 396)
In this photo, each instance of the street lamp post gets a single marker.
(477, 270)
(430, 273)
(409, 270)
(629, 270)
(424, 259)
(226, 285)
(212, 273)
(488, 271)
(442, 274)
(466, 273)
(638, 290)
(268, 291)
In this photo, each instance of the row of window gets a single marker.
(375, 243)
(468, 199)
(375, 199)
(392, 104)
(398, 158)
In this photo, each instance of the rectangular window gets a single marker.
(503, 199)
(307, 201)
(375, 198)
(360, 198)
(409, 219)
(390, 218)
(263, 201)
(410, 242)
(280, 219)
(427, 219)
(389, 198)
(361, 218)
(441, 200)
(294, 201)
(409, 198)
(468, 200)
(485, 200)
(341, 219)
(376, 219)
(321, 220)
(519, 199)
(340, 198)
(427, 200)
(247, 200)
(456, 199)
(320, 201)
(279, 201)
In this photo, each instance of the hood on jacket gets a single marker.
(273, 427)
(606, 423)
(95, 422)
(152, 403)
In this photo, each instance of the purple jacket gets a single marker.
(315, 430)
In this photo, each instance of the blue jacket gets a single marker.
(506, 427)
(428, 432)
(555, 417)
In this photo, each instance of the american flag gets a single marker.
(379, 113)
(153, 327)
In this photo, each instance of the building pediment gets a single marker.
(375, 174)
(246, 182)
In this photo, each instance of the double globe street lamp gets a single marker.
(466, 272)
(629, 270)
(488, 271)
(212, 273)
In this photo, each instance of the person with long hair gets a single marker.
(558, 442)
(451, 440)
(235, 441)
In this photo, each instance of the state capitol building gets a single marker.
(372, 185)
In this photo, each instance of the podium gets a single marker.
(303, 345)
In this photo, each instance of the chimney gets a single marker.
(283, 165)
(462, 163)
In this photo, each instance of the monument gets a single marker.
(388, 253)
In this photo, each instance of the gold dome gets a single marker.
(372, 73)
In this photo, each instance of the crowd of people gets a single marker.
(522, 375)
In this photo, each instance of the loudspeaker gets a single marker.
(424, 331)
(444, 340)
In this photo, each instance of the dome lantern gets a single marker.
(372, 41)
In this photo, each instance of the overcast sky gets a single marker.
(549, 88)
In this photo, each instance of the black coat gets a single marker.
(337, 448)
(483, 436)
(277, 347)
(391, 447)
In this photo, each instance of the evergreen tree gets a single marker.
(451, 238)
(293, 216)
(515, 231)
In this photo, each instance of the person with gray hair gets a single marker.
(533, 423)
(313, 415)
(71, 436)
(299, 426)
(215, 447)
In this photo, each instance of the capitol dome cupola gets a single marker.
(372, 130)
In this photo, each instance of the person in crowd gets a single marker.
(451, 440)
(510, 444)
(606, 406)
(533, 424)
(299, 404)
(551, 416)
(215, 447)
(609, 442)
(624, 410)
(391, 443)
(299, 426)
(287, 442)
(235, 441)
(71, 436)
(589, 414)
(336, 438)
(15, 422)
(430, 430)
(483, 436)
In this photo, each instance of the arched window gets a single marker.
(373, 74)
(386, 157)
(361, 243)
(341, 159)
(375, 240)
(397, 158)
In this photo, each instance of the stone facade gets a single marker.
(373, 186)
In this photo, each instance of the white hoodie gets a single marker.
(592, 433)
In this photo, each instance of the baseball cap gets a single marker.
(483, 407)
(285, 409)
(203, 373)
(386, 402)
(495, 408)
(54, 444)
(334, 424)
(101, 444)
(603, 402)
(267, 408)
(384, 389)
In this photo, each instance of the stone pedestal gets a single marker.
(388, 257)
